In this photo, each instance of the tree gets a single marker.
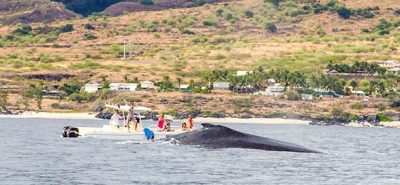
(344, 12)
(77, 97)
(271, 27)
(179, 81)
(71, 87)
(34, 93)
(352, 83)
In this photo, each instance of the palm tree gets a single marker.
(179, 81)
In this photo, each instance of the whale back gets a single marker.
(218, 136)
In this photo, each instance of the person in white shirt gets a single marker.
(115, 119)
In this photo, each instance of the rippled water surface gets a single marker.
(32, 152)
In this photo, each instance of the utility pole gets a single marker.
(130, 48)
(124, 50)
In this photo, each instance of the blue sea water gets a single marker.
(32, 151)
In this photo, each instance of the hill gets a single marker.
(23, 11)
(188, 44)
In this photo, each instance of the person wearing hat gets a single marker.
(131, 116)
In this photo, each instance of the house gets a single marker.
(221, 85)
(184, 87)
(394, 70)
(147, 85)
(124, 86)
(324, 93)
(244, 89)
(389, 64)
(358, 93)
(275, 89)
(271, 81)
(54, 92)
(92, 87)
(307, 97)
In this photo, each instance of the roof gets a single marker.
(92, 83)
(358, 92)
(243, 73)
(146, 81)
(123, 84)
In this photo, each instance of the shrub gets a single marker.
(344, 12)
(90, 36)
(26, 30)
(219, 12)
(397, 12)
(395, 103)
(88, 26)
(383, 118)
(209, 22)
(271, 27)
(67, 28)
(248, 14)
(60, 106)
(293, 95)
(336, 112)
(146, 2)
(188, 32)
(381, 107)
(357, 106)
(274, 2)
(353, 117)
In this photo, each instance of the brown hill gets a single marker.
(21, 11)
(122, 7)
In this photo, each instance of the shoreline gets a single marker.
(91, 116)
(227, 120)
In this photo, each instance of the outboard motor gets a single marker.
(69, 131)
(148, 133)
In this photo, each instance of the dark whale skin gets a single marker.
(217, 136)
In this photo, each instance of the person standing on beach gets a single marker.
(131, 115)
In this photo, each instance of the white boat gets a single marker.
(122, 133)
(117, 131)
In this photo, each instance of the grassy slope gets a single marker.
(296, 46)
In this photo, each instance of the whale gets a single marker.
(218, 136)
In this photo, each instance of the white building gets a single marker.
(389, 64)
(147, 85)
(123, 86)
(274, 90)
(221, 85)
(243, 73)
(92, 87)
(184, 87)
(358, 93)
(394, 70)
(307, 97)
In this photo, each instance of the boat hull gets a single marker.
(114, 133)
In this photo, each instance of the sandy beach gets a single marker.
(48, 115)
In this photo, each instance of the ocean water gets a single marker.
(32, 152)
